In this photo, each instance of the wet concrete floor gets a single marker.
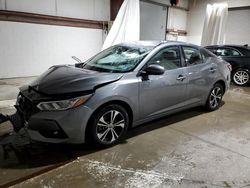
(189, 149)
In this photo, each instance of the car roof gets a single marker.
(153, 44)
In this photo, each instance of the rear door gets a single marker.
(161, 93)
(200, 72)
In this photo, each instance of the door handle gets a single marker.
(181, 78)
(212, 70)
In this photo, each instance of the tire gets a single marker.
(215, 97)
(108, 126)
(241, 77)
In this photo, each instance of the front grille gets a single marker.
(26, 107)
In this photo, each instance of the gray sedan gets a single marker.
(121, 87)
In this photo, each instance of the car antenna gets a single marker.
(77, 59)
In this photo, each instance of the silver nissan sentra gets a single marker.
(121, 87)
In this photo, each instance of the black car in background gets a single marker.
(238, 57)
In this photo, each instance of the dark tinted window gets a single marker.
(169, 58)
(192, 56)
(227, 52)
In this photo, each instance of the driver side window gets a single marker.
(169, 58)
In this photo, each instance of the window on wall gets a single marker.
(192, 56)
(169, 58)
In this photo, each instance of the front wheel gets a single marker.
(241, 77)
(108, 125)
(215, 97)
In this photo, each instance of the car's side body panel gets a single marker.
(159, 94)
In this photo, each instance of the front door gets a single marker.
(162, 93)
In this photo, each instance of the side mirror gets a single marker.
(154, 69)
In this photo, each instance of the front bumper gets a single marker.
(66, 126)
(59, 126)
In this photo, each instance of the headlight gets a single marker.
(63, 104)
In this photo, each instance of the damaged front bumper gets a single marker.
(66, 126)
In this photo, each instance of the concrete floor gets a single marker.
(189, 149)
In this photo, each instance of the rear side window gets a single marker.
(227, 52)
(192, 56)
(206, 55)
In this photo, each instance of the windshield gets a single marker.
(117, 59)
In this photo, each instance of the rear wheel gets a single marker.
(108, 126)
(215, 97)
(241, 77)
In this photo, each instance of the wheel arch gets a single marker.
(117, 102)
(222, 82)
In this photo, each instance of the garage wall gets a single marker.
(238, 27)
(30, 49)
(196, 17)
(84, 9)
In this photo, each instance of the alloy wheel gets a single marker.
(110, 126)
(241, 77)
(215, 97)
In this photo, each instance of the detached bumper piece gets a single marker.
(3, 118)
(5, 125)
(15, 120)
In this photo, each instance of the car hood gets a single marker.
(69, 79)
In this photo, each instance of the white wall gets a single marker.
(29, 49)
(196, 16)
(84, 9)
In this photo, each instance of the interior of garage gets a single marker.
(192, 148)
